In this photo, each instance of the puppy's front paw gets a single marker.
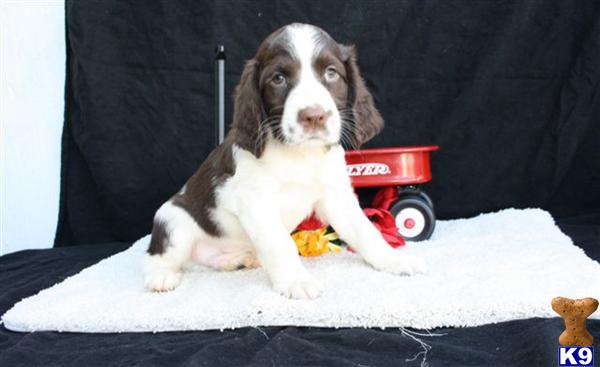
(302, 287)
(162, 280)
(397, 262)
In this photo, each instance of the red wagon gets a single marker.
(404, 168)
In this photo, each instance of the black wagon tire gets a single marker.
(404, 192)
(414, 217)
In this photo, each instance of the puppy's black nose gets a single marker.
(313, 117)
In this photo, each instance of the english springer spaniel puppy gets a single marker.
(299, 99)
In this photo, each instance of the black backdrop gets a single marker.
(508, 89)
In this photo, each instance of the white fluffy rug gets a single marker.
(492, 268)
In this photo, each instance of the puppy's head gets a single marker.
(303, 88)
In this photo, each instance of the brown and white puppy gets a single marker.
(298, 100)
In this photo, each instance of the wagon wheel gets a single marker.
(415, 218)
(406, 191)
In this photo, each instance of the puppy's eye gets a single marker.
(278, 79)
(331, 74)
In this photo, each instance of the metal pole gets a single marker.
(220, 94)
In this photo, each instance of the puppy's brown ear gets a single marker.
(366, 122)
(248, 111)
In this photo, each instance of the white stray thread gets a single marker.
(424, 346)
(262, 332)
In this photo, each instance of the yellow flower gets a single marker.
(315, 242)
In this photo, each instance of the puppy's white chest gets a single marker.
(296, 202)
(283, 181)
(299, 182)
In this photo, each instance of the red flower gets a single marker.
(310, 224)
(379, 215)
(384, 221)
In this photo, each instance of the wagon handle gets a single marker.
(219, 94)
